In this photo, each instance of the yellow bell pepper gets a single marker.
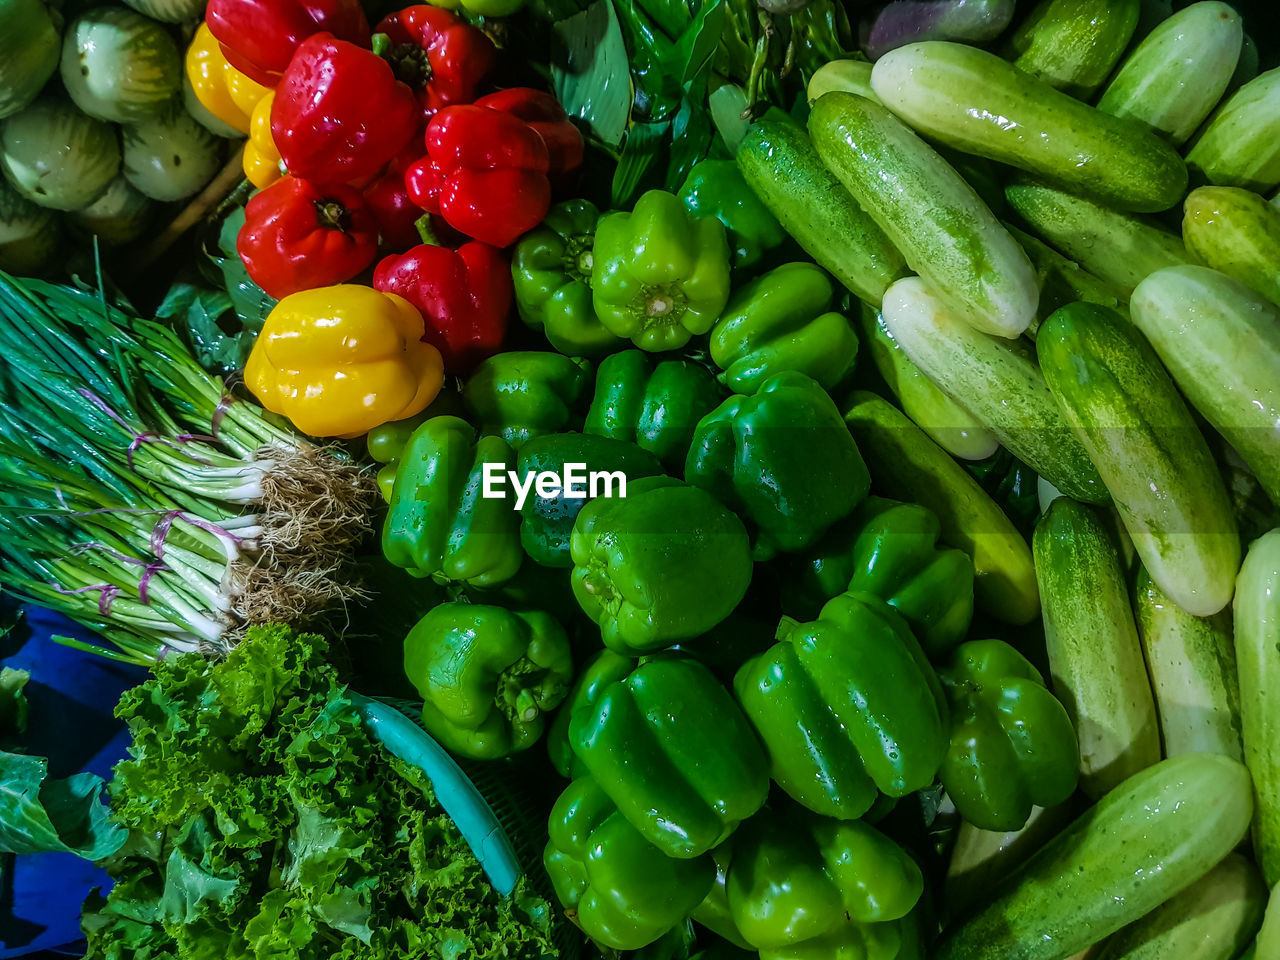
(339, 361)
(221, 89)
(261, 158)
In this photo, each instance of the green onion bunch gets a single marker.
(142, 499)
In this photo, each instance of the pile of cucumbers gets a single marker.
(1069, 245)
(93, 128)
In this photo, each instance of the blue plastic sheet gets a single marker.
(72, 695)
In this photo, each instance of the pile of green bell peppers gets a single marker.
(745, 660)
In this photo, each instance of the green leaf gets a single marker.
(691, 133)
(13, 702)
(727, 104)
(641, 148)
(63, 816)
(590, 73)
(692, 56)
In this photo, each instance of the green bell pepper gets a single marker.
(438, 523)
(782, 459)
(621, 890)
(604, 668)
(804, 886)
(551, 269)
(659, 275)
(1012, 742)
(665, 563)
(714, 913)
(674, 752)
(487, 676)
(384, 443)
(891, 550)
(548, 521)
(655, 406)
(525, 393)
(783, 321)
(716, 188)
(845, 705)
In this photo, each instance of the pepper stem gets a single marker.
(331, 214)
(425, 233)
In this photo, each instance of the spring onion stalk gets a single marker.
(142, 499)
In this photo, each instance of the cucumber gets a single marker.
(778, 161)
(1238, 232)
(1062, 280)
(1177, 75)
(974, 101)
(1192, 663)
(1119, 248)
(1143, 843)
(1213, 919)
(1095, 658)
(908, 465)
(1240, 146)
(1268, 943)
(1073, 44)
(981, 858)
(1221, 342)
(1247, 67)
(1149, 451)
(951, 426)
(1257, 620)
(846, 76)
(994, 379)
(945, 231)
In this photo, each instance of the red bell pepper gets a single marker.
(297, 236)
(440, 56)
(259, 37)
(392, 207)
(544, 113)
(464, 296)
(339, 113)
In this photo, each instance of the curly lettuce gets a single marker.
(264, 822)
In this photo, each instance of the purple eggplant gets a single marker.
(906, 21)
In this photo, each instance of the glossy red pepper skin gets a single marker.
(259, 37)
(544, 113)
(388, 198)
(440, 56)
(297, 236)
(485, 173)
(464, 296)
(339, 113)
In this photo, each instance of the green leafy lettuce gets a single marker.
(264, 822)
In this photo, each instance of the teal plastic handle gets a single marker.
(464, 804)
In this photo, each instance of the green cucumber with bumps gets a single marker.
(1238, 232)
(1139, 433)
(1221, 342)
(1061, 280)
(1192, 663)
(1268, 942)
(1095, 658)
(907, 464)
(943, 228)
(1213, 919)
(782, 167)
(1073, 44)
(1142, 844)
(1240, 145)
(1119, 248)
(950, 425)
(972, 100)
(996, 380)
(1257, 620)
(1177, 75)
